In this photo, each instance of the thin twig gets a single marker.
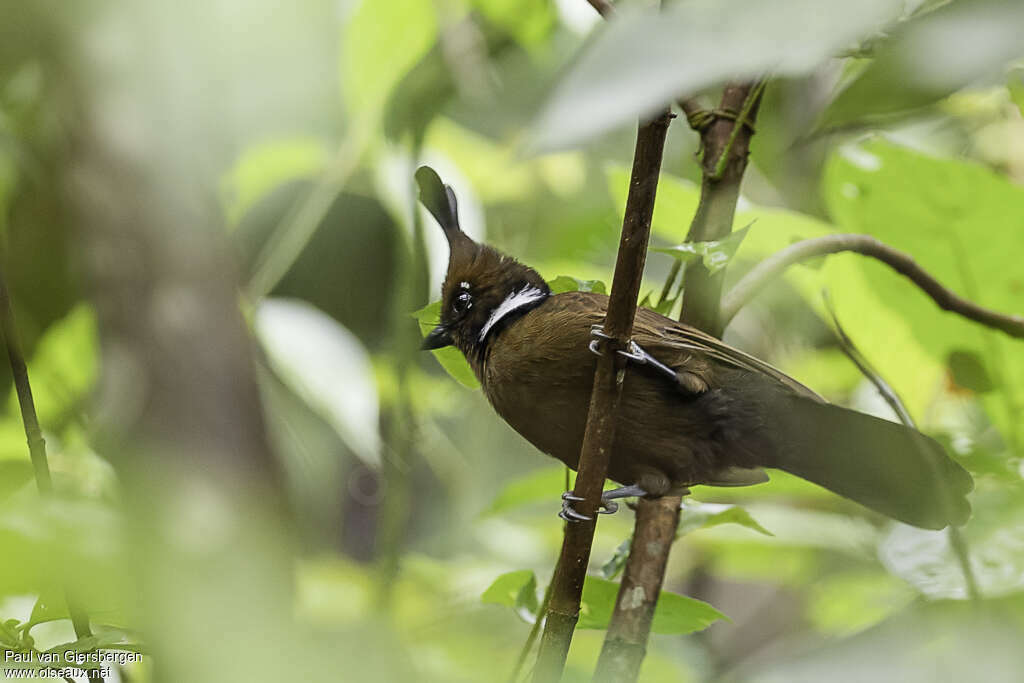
(773, 266)
(34, 434)
(670, 280)
(563, 612)
(956, 540)
(524, 652)
(743, 123)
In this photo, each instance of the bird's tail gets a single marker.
(882, 465)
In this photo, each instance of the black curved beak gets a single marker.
(438, 338)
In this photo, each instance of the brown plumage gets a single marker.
(722, 417)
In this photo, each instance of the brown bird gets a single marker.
(693, 410)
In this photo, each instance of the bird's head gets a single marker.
(484, 290)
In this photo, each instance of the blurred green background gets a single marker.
(262, 153)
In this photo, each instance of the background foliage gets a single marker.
(424, 529)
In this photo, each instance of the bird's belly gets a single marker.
(658, 430)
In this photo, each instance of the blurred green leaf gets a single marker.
(381, 42)
(63, 367)
(1015, 84)
(938, 642)
(450, 358)
(263, 168)
(995, 542)
(517, 590)
(541, 485)
(848, 602)
(715, 254)
(566, 283)
(696, 515)
(78, 544)
(641, 61)
(14, 474)
(674, 614)
(932, 57)
(327, 366)
(529, 21)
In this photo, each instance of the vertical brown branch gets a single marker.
(657, 519)
(626, 641)
(570, 573)
(702, 291)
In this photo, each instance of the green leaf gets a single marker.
(51, 605)
(932, 57)
(450, 358)
(617, 562)
(265, 167)
(566, 283)
(696, 515)
(517, 590)
(106, 639)
(961, 223)
(674, 614)
(715, 254)
(327, 366)
(968, 371)
(644, 59)
(542, 485)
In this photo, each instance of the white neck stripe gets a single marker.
(513, 302)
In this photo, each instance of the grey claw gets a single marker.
(597, 331)
(568, 495)
(608, 507)
(636, 353)
(633, 352)
(570, 515)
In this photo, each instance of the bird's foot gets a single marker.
(569, 513)
(608, 504)
(633, 352)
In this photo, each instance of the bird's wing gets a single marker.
(669, 341)
(662, 336)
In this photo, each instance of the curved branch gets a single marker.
(773, 266)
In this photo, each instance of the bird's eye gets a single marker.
(462, 303)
